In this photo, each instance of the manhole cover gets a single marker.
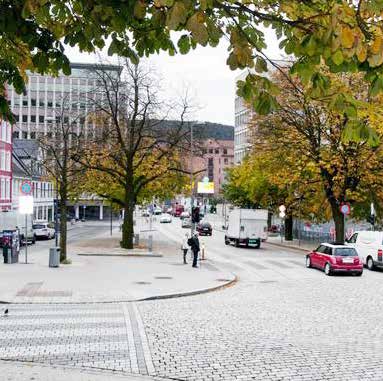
(163, 277)
(223, 280)
(142, 282)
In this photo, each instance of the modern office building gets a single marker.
(242, 133)
(40, 105)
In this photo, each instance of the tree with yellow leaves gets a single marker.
(133, 150)
(308, 143)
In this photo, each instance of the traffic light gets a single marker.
(371, 219)
(195, 214)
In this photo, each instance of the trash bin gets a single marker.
(54, 257)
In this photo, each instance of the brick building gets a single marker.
(5, 165)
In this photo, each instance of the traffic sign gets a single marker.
(345, 208)
(26, 188)
(282, 208)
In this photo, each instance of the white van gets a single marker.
(369, 245)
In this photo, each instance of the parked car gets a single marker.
(204, 228)
(157, 211)
(184, 215)
(165, 218)
(186, 223)
(43, 230)
(145, 213)
(335, 258)
(369, 245)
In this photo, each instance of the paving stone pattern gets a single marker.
(278, 323)
(100, 336)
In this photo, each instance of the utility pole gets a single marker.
(191, 180)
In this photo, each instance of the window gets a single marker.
(50, 104)
(25, 102)
(25, 118)
(346, 252)
(226, 161)
(33, 118)
(321, 249)
(41, 103)
(353, 238)
(328, 250)
(17, 118)
(15, 135)
(41, 118)
(33, 102)
(33, 135)
(210, 150)
(225, 151)
(8, 189)
(216, 150)
(25, 135)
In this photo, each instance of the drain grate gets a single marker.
(142, 282)
(163, 277)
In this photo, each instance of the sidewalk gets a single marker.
(19, 371)
(108, 278)
(295, 244)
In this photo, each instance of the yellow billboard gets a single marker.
(205, 187)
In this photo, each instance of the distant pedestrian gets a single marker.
(185, 247)
(194, 245)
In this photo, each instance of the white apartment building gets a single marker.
(38, 108)
(242, 133)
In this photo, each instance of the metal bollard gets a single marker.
(9, 256)
(136, 239)
(203, 252)
(150, 243)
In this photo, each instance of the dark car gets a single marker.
(204, 228)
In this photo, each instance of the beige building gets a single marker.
(217, 153)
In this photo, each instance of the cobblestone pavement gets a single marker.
(280, 322)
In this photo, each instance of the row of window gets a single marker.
(5, 188)
(5, 160)
(41, 189)
(243, 118)
(215, 151)
(5, 132)
(41, 119)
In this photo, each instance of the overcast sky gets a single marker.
(204, 72)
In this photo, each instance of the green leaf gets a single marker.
(261, 65)
(337, 57)
(184, 44)
(265, 104)
(376, 86)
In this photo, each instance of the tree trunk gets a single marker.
(63, 227)
(127, 227)
(338, 218)
(269, 217)
(288, 228)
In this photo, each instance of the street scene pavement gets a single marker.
(279, 321)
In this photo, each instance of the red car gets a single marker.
(335, 258)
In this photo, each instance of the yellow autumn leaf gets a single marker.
(347, 37)
(361, 52)
(376, 46)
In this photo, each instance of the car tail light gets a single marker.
(380, 254)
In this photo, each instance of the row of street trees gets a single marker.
(311, 155)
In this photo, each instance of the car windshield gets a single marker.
(206, 225)
(38, 226)
(345, 252)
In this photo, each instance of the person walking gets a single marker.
(185, 247)
(194, 245)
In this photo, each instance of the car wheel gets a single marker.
(33, 240)
(227, 242)
(237, 243)
(258, 245)
(370, 263)
(308, 261)
(327, 269)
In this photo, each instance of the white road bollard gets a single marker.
(203, 251)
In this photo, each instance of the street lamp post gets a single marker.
(191, 180)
